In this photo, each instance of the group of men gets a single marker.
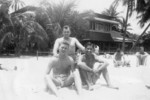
(119, 58)
(66, 69)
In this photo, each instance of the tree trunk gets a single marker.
(124, 35)
(140, 37)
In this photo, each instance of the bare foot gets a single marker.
(147, 86)
(113, 87)
(90, 88)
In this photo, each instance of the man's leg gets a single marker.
(87, 78)
(50, 84)
(98, 67)
(74, 78)
(107, 79)
(82, 66)
(103, 69)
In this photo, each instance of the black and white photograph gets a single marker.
(74, 49)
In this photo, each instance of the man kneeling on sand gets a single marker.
(96, 65)
(60, 71)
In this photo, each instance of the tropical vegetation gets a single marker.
(30, 28)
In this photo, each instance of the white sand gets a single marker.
(27, 82)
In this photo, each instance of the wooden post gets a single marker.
(37, 54)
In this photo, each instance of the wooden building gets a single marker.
(103, 32)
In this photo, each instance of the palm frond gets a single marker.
(143, 9)
(6, 36)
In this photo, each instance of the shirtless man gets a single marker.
(141, 57)
(73, 42)
(119, 58)
(60, 71)
(96, 65)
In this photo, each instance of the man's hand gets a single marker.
(95, 71)
(55, 55)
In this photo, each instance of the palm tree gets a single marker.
(45, 4)
(31, 23)
(6, 25)
(25, 26)
(130, 7)
(143, 9)
(59, 14)
(122, 23)
(112, 11)
(78, 24)
(61, 11)
(17, 4)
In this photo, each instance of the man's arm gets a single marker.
(55, 48)
(72, 64)
(98, 59)
(79, 45)
(104, 65)
(146, 54)
(83, 65)
(49, 80)
(49, 67)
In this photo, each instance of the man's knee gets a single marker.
(104, 70)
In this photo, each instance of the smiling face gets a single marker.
(89, 49)
(66, 31)
(63, 48)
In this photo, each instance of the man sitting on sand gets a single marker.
(118, 58)
(141, 57)
(96, 66)
(60, 71)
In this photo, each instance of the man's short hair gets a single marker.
(66, 27)
(141, 47)
(89, 44)
(118, 49)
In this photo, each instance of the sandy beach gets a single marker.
(27, 83)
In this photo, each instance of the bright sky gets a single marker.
(97, 6)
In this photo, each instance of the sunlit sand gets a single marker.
(26, 83)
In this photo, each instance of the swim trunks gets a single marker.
(61, 79)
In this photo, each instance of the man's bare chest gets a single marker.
(70, 41)
(62, 64)
(89, 61)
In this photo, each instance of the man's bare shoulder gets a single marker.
(53, 59)
(59, 39)
(94, 55)
(73, 38)
(82, 57)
